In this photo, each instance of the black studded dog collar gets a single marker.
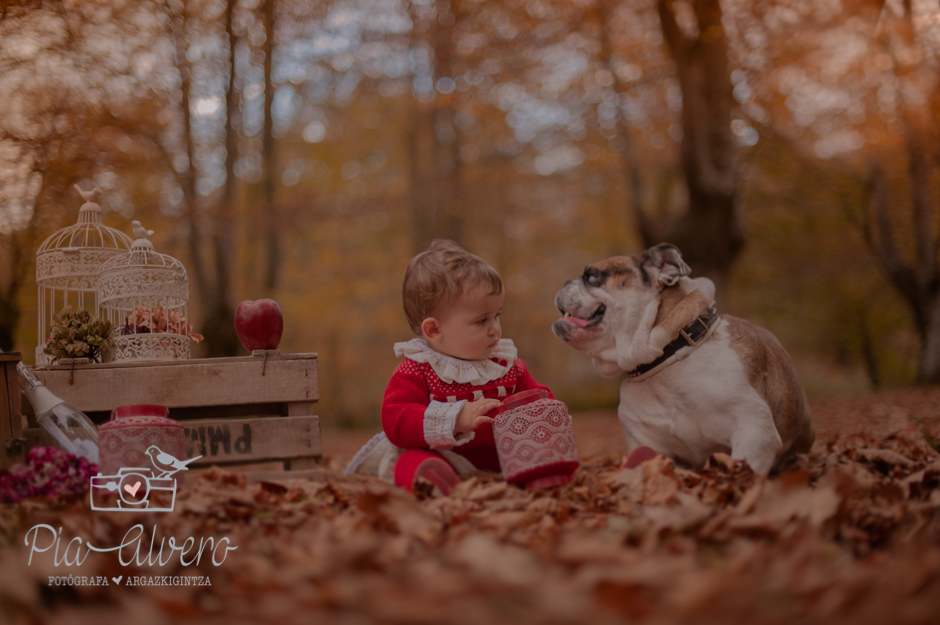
(689, 338)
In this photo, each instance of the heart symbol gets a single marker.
(117, 580)
(132, 491)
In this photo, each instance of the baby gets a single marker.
(434, 410)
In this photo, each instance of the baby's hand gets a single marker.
(473, 415)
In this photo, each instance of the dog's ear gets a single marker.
(665, 264)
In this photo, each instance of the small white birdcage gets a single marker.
(144, 294)
(67, 266)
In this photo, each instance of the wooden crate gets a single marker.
(235, 411)
(12, 448)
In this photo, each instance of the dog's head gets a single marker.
(609, 298)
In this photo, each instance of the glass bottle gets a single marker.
(71, 429)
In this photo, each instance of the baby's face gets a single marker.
(470, 328)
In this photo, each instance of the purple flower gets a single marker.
(46, 472)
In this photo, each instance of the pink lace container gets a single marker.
(534, 440)
(123, 441)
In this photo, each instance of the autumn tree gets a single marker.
(710, 233)
(32, 144)
(709, 230)
(432, 142)
(210, 225)
(863, 126)
(268, 154)
(543, 134)
(916, 276)
(61, 128)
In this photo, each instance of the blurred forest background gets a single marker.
(305, 151)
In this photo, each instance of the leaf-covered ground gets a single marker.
(851, 535)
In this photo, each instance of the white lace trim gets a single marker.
(456, 371)
(440, 418)
(377, 457)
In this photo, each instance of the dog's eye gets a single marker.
(592, 278)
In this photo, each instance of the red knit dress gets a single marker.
(417, 400)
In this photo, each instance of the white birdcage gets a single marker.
(67, 266)
(145, 294)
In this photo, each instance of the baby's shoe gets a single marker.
(638, 456)
(425, 473)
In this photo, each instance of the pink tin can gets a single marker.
(535, 440)
(123, 441)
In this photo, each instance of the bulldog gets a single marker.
(696, 382)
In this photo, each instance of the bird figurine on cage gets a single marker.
(139, 231)
(91, 195)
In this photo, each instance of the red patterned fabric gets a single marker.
(535, 441)
(414, 385)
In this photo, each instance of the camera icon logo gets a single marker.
(134, 486)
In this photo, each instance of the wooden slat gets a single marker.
(301, 464)
(176, 363)
(301, 409)
(252, 440)
(299, 468)
(187, 383)
(238, 411)
(244, 411)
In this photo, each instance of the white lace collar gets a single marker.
(453, 370)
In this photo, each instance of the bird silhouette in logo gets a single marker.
(167, 463)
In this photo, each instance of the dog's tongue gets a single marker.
(575, 321)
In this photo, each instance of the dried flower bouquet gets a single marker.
(145, 320)
(78, 334)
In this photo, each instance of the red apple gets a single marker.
(259, 324)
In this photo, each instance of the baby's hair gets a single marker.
(437, 277)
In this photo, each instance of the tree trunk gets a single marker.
(917, 279)
(219, 328)
(15, 242)
(269, 163)
(928, 365)
(710, 233)
(447, 147)
(187, 178)
(921, 280)
(922, 296)
(433, 148)
(9, 295)
(647, 228)
(424, 202)
(869, 356)
(9, 318)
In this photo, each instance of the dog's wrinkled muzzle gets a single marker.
(561, 330)
(576, 317)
